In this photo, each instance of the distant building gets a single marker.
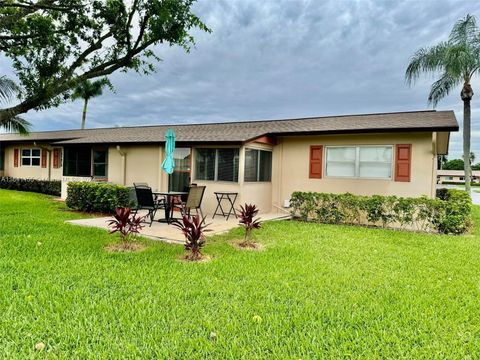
(455, 176)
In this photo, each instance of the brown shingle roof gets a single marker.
(248, 130)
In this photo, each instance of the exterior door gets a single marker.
(180, 178)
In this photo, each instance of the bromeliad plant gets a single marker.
(247, 214)
(125, 223)
(193, 228)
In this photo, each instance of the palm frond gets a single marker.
(464, 30)
(88, 89)
(8, 89)
(442, 87)
(16, 124)
(426, 60)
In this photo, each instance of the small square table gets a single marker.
(231, 197)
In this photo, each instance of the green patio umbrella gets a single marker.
(169, 164)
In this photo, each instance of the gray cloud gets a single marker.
(280, 59)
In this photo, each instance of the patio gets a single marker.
(169, 233)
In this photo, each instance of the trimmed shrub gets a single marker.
(48, 187)
(449, 214)
(97, 197)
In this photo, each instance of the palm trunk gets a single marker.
(84, 114)
(466, 95)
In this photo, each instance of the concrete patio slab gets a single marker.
(169, 233)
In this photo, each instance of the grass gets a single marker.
(316, 291)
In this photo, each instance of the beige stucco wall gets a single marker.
(135, 163)
(291, 167)
(29, 172)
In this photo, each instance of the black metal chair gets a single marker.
(193, 201)
(145, 201)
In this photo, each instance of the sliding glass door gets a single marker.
(180, 179)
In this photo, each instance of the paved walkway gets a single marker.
(169, 233)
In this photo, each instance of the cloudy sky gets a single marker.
(283, 59)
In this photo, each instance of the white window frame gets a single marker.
(357, 162)
(31, 157)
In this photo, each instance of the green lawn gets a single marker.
(321, 292)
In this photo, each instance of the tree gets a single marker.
(86, 90)
(455, 164)
(54, 45)
(441, 161)
(458, 60)
(8, 91)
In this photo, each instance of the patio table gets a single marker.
(230, 197)
(169, 195)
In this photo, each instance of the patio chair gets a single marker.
(193, 201)
(144, 184)
(145, 201)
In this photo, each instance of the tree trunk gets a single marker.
(466, 95)
(84, 114)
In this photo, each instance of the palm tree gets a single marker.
(458, 60)
(8, 91)
(86, 90)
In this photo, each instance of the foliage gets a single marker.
(457, 61)
(8, 92)
(247, 214)
(89, 89)
(97, 197)
(449, 214)
(48, 187)
(193, 228)
(125, 223)
(455, 164)
(371, 293)
(56, 44)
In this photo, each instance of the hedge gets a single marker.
(97, 197)
(49, 187)
(451, 213)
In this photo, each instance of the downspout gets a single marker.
(123, 166)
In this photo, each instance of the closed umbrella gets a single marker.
(169, 164)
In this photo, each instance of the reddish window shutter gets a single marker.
(44, 158)
(16, 154)
(56, 158)
(403, 159)
(316, 161)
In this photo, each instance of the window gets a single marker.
(227, 165)
(217, 164)
(258, 165)
(374, 162)
(77, 161)
(100, 162)
(30, 157)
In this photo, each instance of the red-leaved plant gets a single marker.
(247, 214)
(125, 223)
(193, 228)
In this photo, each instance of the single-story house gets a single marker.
(263, 161)
(455, 176)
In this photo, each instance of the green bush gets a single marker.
(49, 187)
(97, 197)
(449, 214)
